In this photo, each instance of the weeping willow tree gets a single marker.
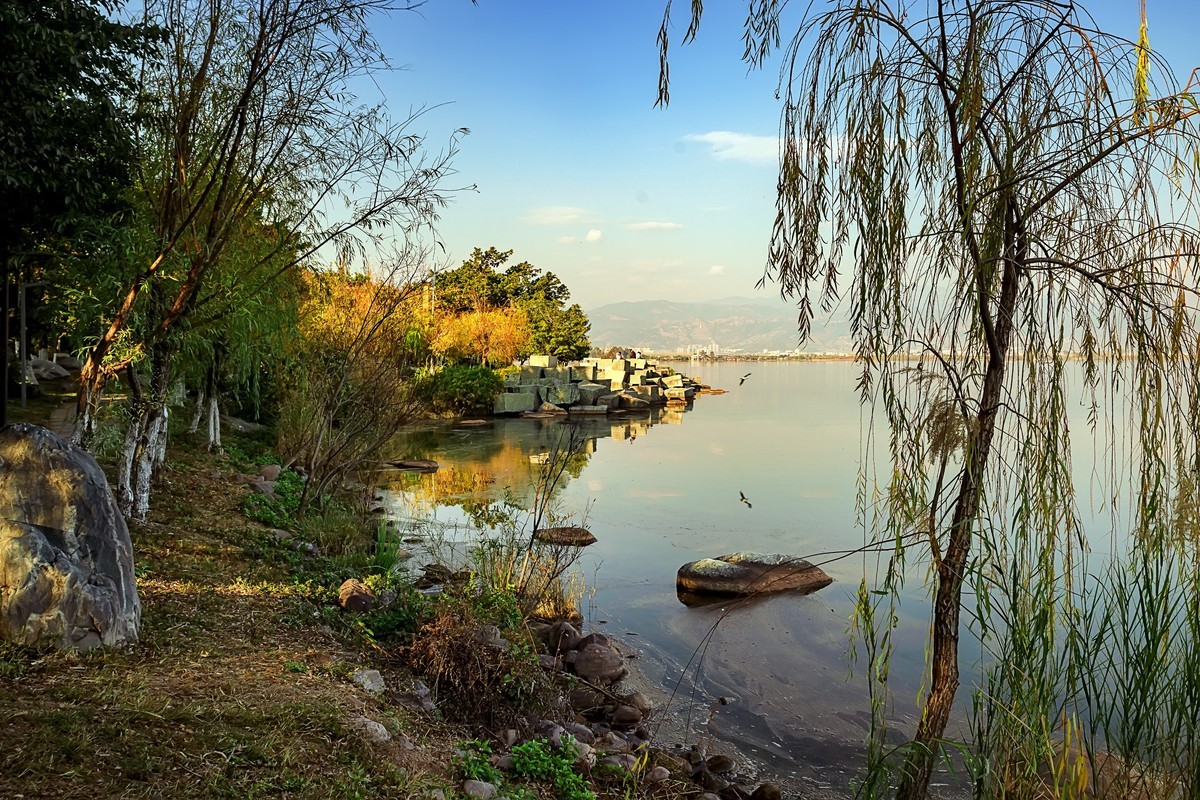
(995, 189)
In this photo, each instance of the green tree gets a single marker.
(247, 115)
(479, 286)
(65, 141)
(1005, 184)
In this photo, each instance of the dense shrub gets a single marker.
(462, 389)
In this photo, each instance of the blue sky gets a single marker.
(575, 169)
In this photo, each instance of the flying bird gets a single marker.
(744, 500)
(743, 380)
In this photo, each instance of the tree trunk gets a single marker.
(146, 438)
(951, 571)
(198, 413)
(214, 425)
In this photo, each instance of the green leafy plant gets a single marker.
(278, 511)
(472, 762)
(539, 760)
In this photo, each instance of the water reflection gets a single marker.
(485, 465)
(663, 488)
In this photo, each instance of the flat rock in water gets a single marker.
(416, 464)
(571, 535)
(750, 573)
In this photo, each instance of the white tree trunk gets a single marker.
(198, 413)
(125, 464)
(214, 425)
(151, 444)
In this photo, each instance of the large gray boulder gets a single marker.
(750, 573)
(65, 555)
(45, 370)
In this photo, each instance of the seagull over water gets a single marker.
(743, 380)
(744, 500)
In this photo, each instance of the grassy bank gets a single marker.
(235, 690)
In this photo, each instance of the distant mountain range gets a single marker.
(734, 324)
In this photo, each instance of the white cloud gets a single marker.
(730, 146)
(716, 269)
(558, 215)
(593, 235)
(655, 226)
(566, 240)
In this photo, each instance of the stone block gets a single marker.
(673, 381)
(589, 392)
(588, 409)
(526, 375)
(617, 377)
(515, 402)
(558, 374)
(649, 393)
(633, 401)
(678, 393)
(637, 363)
(583, 372)
(542, 361)
(611, 401)
(561, 394)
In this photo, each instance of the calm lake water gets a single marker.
(662, 489)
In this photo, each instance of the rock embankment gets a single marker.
(592, 386)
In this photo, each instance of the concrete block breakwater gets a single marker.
(591, 386)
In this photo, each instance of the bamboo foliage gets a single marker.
(998, 190)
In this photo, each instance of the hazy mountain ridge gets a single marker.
(743, 324)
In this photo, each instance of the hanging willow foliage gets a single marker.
(996, 189)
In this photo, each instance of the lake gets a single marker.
(662, 489)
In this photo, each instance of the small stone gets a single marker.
(550, 663)
(369, 679)
(505, 763)
(353, 595)
(720, 763)
(370, 729)
(626, 717)
(658, 775)
(269, 472)
(509, 737)
(585, 754)
(580, 733)
(279, 535)
(563, 637)
(584, 698)
(480, 790)
(599, 663)
(767, 791)
(639, 701)
(676, 765)
(709, 780)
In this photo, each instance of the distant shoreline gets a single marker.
(675, 357)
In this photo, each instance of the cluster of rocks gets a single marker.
(263, 482)
(592, 386)
(607, 727)
(66, 560)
